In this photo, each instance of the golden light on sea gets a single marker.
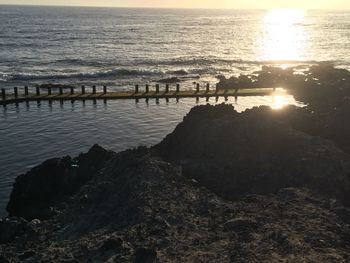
(283, 36)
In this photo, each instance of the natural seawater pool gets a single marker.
(31, 133)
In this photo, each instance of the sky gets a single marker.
(239, 4)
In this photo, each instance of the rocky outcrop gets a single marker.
(257, 151)
(256, 186)
(36, 192)
(320, 85)
(142, 209)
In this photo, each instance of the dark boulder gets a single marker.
(52, 182)
(169, 80)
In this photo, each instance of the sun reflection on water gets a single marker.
(283, 37)
(279, 102)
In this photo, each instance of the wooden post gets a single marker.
(49, 91)
(167, 88)
(3, 94)
(83, 89)
(94, 89)
(61, 90)
(177, 87)
(147, 88)
(207, 99)
(208, 87)
(71, 90)
(157, 88)
(26, 93)
(197, 88)
(104, 89)
(136, 88)
(15, 91)
(37, 90)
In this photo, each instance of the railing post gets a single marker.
(167, 88)
(49, 91)
(147, 88)
(15, 91)
(26, 93)
(71, 90)
(197, 87)
(83, 89)
(157, 88)
(94, 89)
(3, 94)
(136, 88)
(177, 87)
(37, 90)
(104, 89)
(208, 87)
(61, 90)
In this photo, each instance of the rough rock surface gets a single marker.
(223, 187)
(257, 151)
(50, 183)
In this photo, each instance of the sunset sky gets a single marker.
(306, 4)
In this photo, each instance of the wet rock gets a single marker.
(178, 72)
(170, 80)
(145, 255)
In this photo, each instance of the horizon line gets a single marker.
(174, 8)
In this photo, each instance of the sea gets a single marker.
(121, 47)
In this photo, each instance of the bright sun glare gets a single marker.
(283, 37)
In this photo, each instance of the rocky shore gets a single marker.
(256, 186)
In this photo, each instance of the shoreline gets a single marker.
(223, 186)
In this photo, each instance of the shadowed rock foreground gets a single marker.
(257, 186)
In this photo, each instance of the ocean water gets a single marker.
(123, 47)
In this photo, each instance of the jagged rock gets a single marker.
(52, 182)
(257, 151)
